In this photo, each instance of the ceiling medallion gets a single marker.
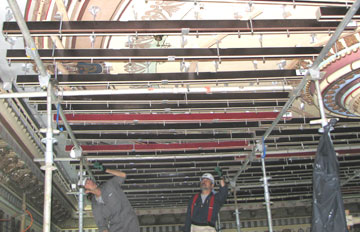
(340, 86)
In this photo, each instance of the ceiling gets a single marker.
(168, 90)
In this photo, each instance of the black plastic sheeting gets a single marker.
(328, 214)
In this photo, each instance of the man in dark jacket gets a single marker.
(203, 208)
(111, 208)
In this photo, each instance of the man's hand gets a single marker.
(219, 171)
(99, 166)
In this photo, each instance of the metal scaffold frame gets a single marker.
(44, 78)
(313, 74)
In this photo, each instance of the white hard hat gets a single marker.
(208, 176)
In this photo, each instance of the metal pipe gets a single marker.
(266, 194)
(244, 165)
(324, 51)
(219, 223)
(81, 197)
(347, 18)
(129, 157)
(44, 81)
(72, 136)
(150, 91)
(48, 166)
(356, 174)
(29, 41)
(238, 225)
(23, 218)
(146, 157)
(321, 104)
(316, 63)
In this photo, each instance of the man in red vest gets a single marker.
(203, 207)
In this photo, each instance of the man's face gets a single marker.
(206, 184)
(90, 185)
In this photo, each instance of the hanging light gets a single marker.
(313, 38)
(94, 10)
(282, 64)
(9, 15)
(250, 7)
(286, 13)
(11, 41)
(255, 63)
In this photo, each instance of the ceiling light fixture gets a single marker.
(11, 41)
(286, 13)
(255, 63)
(313, 38)
(250, 7)
(281, 64)
(9, 15)
(94, 10)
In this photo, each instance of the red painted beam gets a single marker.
(147, 118)
(162, 147)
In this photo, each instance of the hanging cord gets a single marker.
(16, 215)
(31, 222)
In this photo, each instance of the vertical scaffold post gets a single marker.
(266, 187)
(48, 164)
(81, 196)
(238, 226)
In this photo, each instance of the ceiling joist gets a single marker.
(164, 77)
(166, 55)
(178, 27)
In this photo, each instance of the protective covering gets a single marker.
(328, 213)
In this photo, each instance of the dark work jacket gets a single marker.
(200, 213)
(116, 213)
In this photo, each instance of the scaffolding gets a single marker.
(51, 95)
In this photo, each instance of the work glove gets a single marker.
(99, 166)
(219, 171)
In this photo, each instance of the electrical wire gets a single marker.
(15, 215)
(31, 222)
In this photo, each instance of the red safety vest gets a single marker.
(211, 205)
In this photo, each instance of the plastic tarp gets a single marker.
(328, 214)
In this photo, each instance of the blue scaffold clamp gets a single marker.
(263, 148)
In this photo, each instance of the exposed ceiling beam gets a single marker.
(88, 79)
(178, 27)
(157, 147)
(168, 118)
(293, 3)
(165, 55)
(335, 14)
(168, 107)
